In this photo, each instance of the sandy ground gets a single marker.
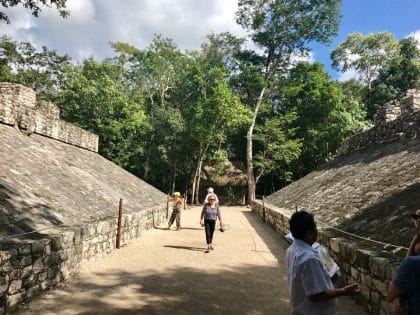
(168, 272)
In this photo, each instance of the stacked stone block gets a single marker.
(396, 120)
(47, 119)
(18, 107)
(373, 269)
(390, 111)
(406, 126)
(29, 267)
(407, 104)
(410, 103)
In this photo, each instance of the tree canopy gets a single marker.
(167, 115)
(35, 6)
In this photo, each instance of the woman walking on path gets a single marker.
(209, 215)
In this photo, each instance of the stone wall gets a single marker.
(29, 267)
(407, 104)
(405, 127)
(18, 107)
(359, 261)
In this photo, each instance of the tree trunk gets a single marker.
(173, 177)
(148, 154)
(194, 182)
(200, 164)
(249, 163)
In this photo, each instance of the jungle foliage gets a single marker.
(164, 114)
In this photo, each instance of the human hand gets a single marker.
(202, 222)
(352, 289)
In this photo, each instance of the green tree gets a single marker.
(281, 29)
(211, 116)
(278, 147)
(155, 74)
(34, 6)
(325, 116)
(93, 99)
(400, 74)
(366, 54)
(44, 71)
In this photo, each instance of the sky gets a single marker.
(92, 24)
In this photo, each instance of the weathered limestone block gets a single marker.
(56, 242)
(74, 135)
(43, 276)
(4, 283)
(103, 227)
(335, 244)
(33, 291)
(38, 248)
(15, 299)
(48, 249)
(15, 286)
(17, 105)
(363, 258)
(355, 274)
(377, 265)
(15, 274)
(386, 307)
(380, 286)
(38, 266)
(47, 119)
(375, 297)
(7, 266)
(24, 249)
(26, 261)
(54, 259)
(53, 272)
(366, 281)
(68, 238)
(29, 281)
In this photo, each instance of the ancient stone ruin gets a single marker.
(59, 199)
(362, 200)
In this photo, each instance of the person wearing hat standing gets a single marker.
(178, 202)
(210, 191)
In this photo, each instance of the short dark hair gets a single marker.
(301, 223)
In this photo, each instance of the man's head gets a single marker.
(176, 194)
(210, 190)
(303, 226)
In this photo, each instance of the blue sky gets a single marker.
(399, 17)
(92, 24)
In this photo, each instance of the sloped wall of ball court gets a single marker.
(59, 199)
(362, 200)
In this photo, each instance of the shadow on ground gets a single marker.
(245, 290)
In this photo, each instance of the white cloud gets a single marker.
(349, 74)
(92, 24)
(416, 36)
(309, 57)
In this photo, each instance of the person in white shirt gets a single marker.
(210, 191)
(311, 290)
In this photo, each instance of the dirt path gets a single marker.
(167, 272)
